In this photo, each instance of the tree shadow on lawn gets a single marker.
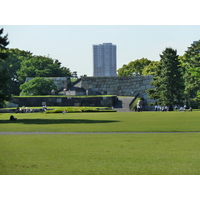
(55, 121)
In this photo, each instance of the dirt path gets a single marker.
(50, 133)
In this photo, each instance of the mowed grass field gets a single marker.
(101, 153)
(103, 122)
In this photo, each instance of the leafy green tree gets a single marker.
(41, 66)
(190, 62)
(150, 69)
(20, 64)
(196, 73)
(38, 86)
(13, 64)
(4, 76)
(167, 80)
(134, 68)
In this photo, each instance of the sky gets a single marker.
(72, 44)
(66, 30)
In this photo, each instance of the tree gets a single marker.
(4, 76)
(134, 68)
(13, 65)
(84, 75)
(167, 80)
(190, 62)
(20, 64)
(195, 72)
(38, 86)
(41, 66)
(150, 69)
(74, 74)
(3, 43)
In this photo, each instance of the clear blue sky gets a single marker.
(66, 30)
(72, 44)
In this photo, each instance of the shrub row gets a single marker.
(80, 109)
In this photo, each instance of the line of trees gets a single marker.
(16, 65)
(176, 78)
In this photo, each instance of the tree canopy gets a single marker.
(151, 68)
(134, 68)
(41, 66)
(13, 65)
(190, 62)
(195, 72)
(38, 86)
(167, 80)
(21, 64)
(4, 75)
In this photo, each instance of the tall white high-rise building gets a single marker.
(104, 59)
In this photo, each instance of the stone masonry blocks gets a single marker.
(118, 85)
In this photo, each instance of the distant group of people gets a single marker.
(166, 108)
(182, 108)
(24, 110)
(161, 108)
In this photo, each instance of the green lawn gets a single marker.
(115, 154)
(122, 153)
(103, 122)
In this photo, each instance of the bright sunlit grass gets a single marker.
(165, 153)
(122, 153)
(103, 122)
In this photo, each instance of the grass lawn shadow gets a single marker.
(55, 121)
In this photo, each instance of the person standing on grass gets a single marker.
(44, 108)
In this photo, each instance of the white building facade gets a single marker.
(104, 60)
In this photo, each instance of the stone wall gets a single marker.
(120, 86)
(64, 101)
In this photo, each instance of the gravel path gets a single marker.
(42, 133)
(123, 104)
